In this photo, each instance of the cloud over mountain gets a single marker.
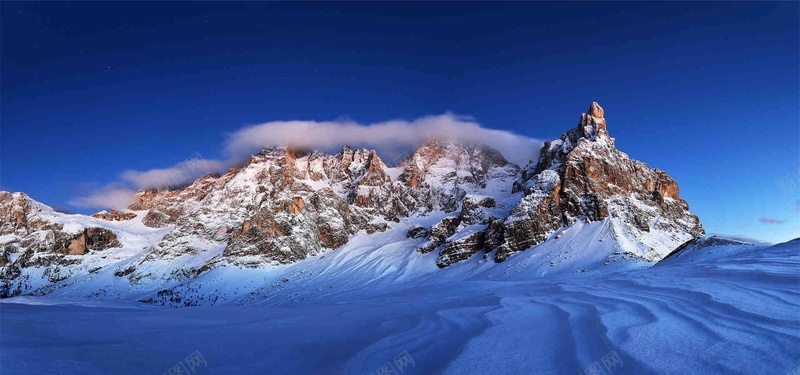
(177, 175)
(392, 139)
(110, 196)
(387, 137)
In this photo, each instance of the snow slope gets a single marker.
(386, 260)
(736, 314)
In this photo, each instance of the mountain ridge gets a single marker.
(287, 205)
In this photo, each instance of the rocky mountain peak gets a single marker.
(595, 110)
(17, 211)
(582, 176)
(358, 161)
(593, 125)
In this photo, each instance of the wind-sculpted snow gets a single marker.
(736, 314)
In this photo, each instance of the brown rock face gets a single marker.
(18, 215)
(14, 211)
(495, 235)
(333, 219)
(666, 186)
(296, 206)
(76, 246)
(90, 239)
(595, 110)
(114, 215)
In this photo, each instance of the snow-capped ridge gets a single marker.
(454, 203)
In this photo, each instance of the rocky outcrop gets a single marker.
(439, 233)
(596, 111)
(476, 210)
(532, 220)
(15, 212)
(461, 248)
(19, 215)
(89, 239)
(114, 215)
(5, 251)
(462, 236)
(417, 232)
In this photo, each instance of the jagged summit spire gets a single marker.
(595, 110)
(593, 123)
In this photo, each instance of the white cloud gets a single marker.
(119, 195)
(390, 138)
(178, 175)
(387, 137)
(110, 196)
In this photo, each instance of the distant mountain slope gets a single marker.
(703, 248)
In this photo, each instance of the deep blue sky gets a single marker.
(708, 92)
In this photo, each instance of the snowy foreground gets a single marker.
(719, 310)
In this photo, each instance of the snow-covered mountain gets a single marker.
(292, 214)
